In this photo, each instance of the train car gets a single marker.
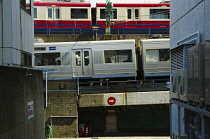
(82, 15)
(156, 58)
(62, 14)
(92, 59)
(135, 14)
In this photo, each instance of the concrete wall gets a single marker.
(17, 32)
(19, 119)
(121, 99)
(62, 109)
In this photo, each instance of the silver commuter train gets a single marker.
(156, 57)
(88, 59)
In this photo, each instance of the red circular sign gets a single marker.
(111, 100)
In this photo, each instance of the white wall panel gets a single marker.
(183, 27)
(14, 25)
(184, 7)
(0, 27)
(207, 20)
(196, 17)
(193, 3)
(1, 56)
(7, 23)
(174, 116)
(7, 57)
(174, 16)
(17, 33)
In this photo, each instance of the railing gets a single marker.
(123, 86)
(53, 80)
(100, 29)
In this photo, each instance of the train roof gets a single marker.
(86, 42)
(156, 40)
(63, 4)
(134, 4)
(67, 4)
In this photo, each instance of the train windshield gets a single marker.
(45, 59)
(118, 56)
(155, 55)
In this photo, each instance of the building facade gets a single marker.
(16, 33)
(21, 95)
(189, 33)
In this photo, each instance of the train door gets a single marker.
(82, 62)
(93, 12)
(133, 14)
(53, 13)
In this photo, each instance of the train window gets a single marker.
(26, 5)
(129, 13)
(49, 12)
(164, 55)
(79, 13)
(57, 13)
(35, 12)
(155, 55)
(118, 56)
(136, 13)
(103, 14)
(86, 58)
(44, 59)
(152, 55)
(159, 14)
(78, 58)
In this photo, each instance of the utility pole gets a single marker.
(109, 13)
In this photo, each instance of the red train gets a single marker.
(83, 15)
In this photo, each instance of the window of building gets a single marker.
(45, 59)
(136, 13)
(103, 14)
(57, 13)
(118, 56)
(49, 12)
(35, 12)
(26, 60)
(155, 55)
(26, 5)
(79, 13)
(159, 14)
(129, 13)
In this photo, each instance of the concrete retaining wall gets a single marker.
(131, 98)
(21, 104)
(62, 109)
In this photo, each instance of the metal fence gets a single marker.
(60, 82)
(123, 86)
(100, 29)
